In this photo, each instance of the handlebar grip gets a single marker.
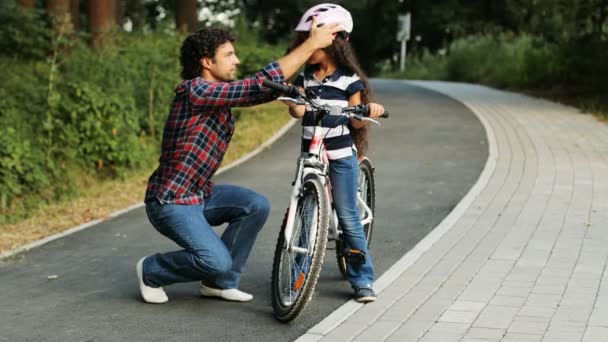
(291, 91)
(366, 112)
(276, 86)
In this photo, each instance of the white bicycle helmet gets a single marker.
(326, 13)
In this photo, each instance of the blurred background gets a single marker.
(86, 84)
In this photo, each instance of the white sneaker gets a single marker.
(155, 295)
(234, 295)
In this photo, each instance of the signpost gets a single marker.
(403, 35)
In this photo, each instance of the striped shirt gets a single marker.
(334, 90)
(197, 132)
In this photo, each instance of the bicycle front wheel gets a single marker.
(367, 188)
(297, 262)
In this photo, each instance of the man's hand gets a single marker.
(318, 38)
(323, 36)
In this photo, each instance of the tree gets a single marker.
(102, 18)
(60, 10)
(75, 14)
(135, 11)
(186, 15)
(27, 3)
(599, 18)
(58, 7)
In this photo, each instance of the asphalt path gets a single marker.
(83, 287)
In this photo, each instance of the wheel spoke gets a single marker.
(294, 269)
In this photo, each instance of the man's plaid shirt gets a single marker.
(198, 131)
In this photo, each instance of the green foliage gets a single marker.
(93, 115)
(98, 130)
(503, 60)
(252, 52)
(584, 61)
(574, 71)
(69, 111)
(253, 57)
(23, 33)
(140, 67)
(22, 165)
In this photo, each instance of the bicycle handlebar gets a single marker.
(276, 86)
(293, 91)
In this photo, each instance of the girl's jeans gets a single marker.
(344, 176)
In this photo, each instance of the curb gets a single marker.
(246, 157)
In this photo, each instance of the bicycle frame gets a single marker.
(318, 164)
(297, 264)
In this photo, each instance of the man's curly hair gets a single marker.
(201, 44)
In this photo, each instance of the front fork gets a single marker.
(296, 194)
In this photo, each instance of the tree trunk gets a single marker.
(27, 3)
(115, 11)
(602, 16)
(102, 18)
(60, 11)
(118, 10)
(75, 13)
(136, 11)
(58, 7)
(185, 15)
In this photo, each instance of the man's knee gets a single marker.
(213, 264)
(260, 206)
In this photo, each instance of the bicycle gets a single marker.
(310, 221)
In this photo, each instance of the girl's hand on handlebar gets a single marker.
(375, 110)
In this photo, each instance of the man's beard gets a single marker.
(229, 77)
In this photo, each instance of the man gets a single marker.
(181, 201)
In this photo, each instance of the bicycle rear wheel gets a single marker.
(367, 189)
(297, 263)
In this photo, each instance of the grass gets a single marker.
(254, 126)
(587, 100)
(565, 72)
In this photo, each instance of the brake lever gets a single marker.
(372, 120)
(291, 99)
(360, 117)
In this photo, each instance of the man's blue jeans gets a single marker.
(216, 262)
(344, 176)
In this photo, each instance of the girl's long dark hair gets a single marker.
(344, 56)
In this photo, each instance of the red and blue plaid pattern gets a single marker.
(198, 131)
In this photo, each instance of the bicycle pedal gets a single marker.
(354, 256)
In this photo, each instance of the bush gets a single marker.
(504, 60)
(501, 60)
(91, 117)
(23, 33)
(252, 53)
(102, 129)
(87, 113)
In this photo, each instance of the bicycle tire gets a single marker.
(285, 312)
(366, 174)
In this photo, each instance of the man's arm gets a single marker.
(250, 90)
(246, 92)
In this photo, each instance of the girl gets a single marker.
(334, 75)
